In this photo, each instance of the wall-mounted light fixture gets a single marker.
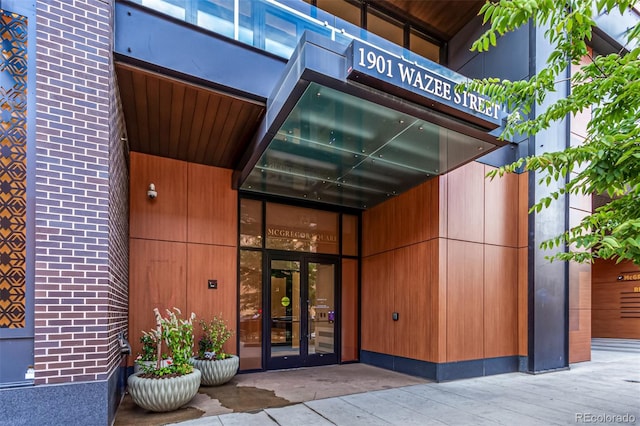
(151, 193)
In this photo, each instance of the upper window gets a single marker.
(385, 27)
(344, 10)
(383, 24)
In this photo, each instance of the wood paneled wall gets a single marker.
(179, 241)
(465, 307)
(486, 234)
(400, 274)
(164, 218)
(415, 271)
(377, 300)
(349, 309)
(500, 300)
(408, 219)
(450, 257)
(615, 303)
(157, 274)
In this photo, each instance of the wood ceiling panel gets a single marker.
(153, 108)
(175, 119)
(218, 126)
(142, 110)
(177, 103)
(227, 131)
(213, 109)
(440, 17)
(202, 102)
(186, 127)
(248, 118)
(165, 98)
(125, 86)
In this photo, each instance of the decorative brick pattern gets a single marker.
(76, 283)
(13, 170)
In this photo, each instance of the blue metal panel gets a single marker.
(615, 26)
(441, 372)
(548, 282)
(511, 60)
(163, 42)
(501, 156)
(427, 80)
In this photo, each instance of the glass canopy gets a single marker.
(340, 149)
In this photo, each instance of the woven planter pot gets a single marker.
(216, 372)
(164, 394)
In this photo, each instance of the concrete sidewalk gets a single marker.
(605, 390)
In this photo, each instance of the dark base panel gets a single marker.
(444, 371)
(86, 403)
(551, 370)
(117, 389)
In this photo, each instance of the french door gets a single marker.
(301, 325)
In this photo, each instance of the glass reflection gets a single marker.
(349, 235)
(250, 223)
(285, 308)
(340, 149)
(250, 349)
(322, 313)
(301, 229)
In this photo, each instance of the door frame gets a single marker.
(304, 359)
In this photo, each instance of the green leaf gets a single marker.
(607, 160)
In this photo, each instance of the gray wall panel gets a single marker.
(510, 59)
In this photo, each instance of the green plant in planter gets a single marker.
(216, 366)
(214, 335)
(148, 347)
(165, 387)
(177, 333)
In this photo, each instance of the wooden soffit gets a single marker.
(441, 17)
(175, 119)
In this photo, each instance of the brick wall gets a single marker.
(118, 223)
(73, 329)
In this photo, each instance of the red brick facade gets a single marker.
(81, 210)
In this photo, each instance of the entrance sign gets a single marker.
(400, 76)
(301, 235)
(629, 276)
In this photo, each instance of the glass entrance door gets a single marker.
(301, 325)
